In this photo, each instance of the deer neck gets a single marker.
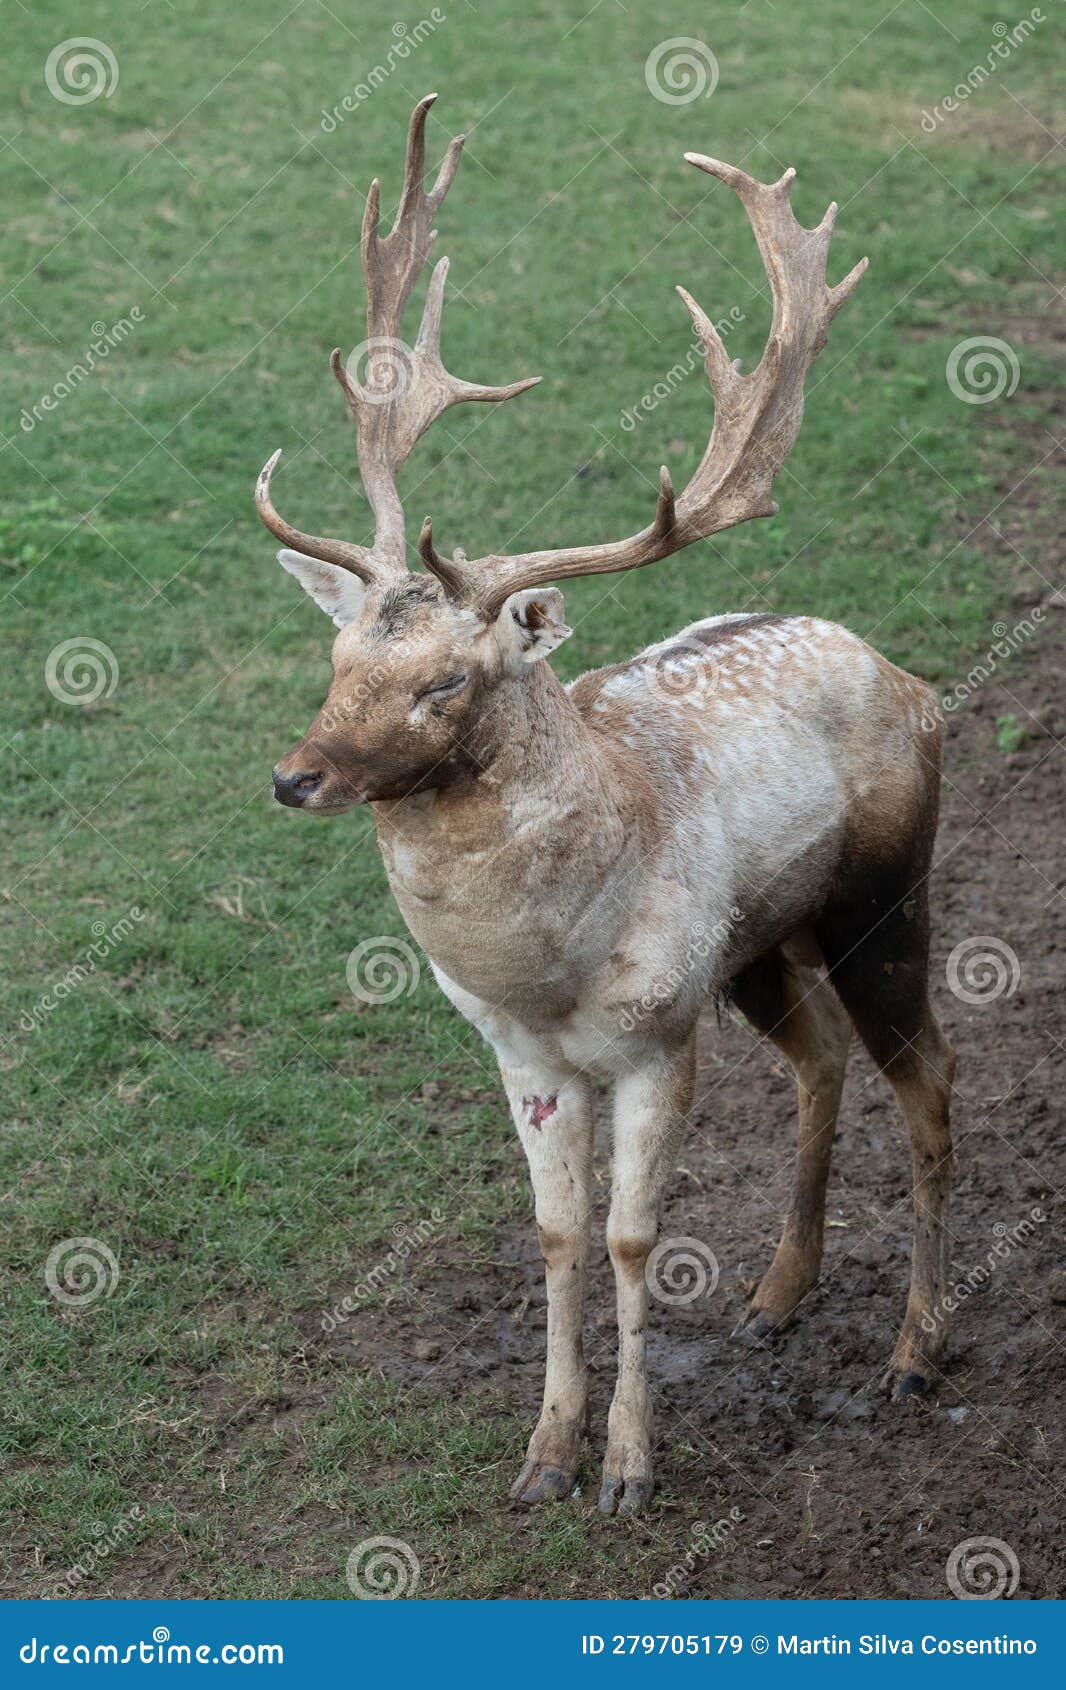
(507, 858)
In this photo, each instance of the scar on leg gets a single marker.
(540, 1108)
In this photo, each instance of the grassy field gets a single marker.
(207, 1099)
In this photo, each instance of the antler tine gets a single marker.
(414, 164)
(354, 558)
(428, 344)
(757, 416)
(450, 572)
(414, 170)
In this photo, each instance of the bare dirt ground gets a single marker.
(840, 1492)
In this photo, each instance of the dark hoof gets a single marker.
(624, 1496)
(755, 1328)
(636, 1497)
(909, 1384)
(536, 1484)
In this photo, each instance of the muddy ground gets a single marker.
(840, 1492)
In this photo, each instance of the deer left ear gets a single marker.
(536, 618)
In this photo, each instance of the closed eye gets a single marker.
(440, 689)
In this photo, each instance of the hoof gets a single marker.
(624, 1496)
(756, 1327)
(911, 1383)
(538, 1483)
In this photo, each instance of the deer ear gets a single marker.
(336, 591)
(535, 619)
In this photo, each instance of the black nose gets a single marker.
(295, 789)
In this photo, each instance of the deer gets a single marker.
(744, 813)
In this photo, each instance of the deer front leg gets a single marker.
(553, 1113)
(649, 1111)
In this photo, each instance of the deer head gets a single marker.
(420, 658)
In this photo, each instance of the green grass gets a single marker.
(208, 1102)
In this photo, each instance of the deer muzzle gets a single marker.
(296, 788)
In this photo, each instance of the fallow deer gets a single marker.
(587, 866)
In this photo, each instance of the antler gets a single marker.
(757, 416)
(406, 388)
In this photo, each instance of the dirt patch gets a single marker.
(982, 121)
(998, 129)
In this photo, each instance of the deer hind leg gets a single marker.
(879, 966)
(650, 1107)
(552, 1110)
(793, 1005)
